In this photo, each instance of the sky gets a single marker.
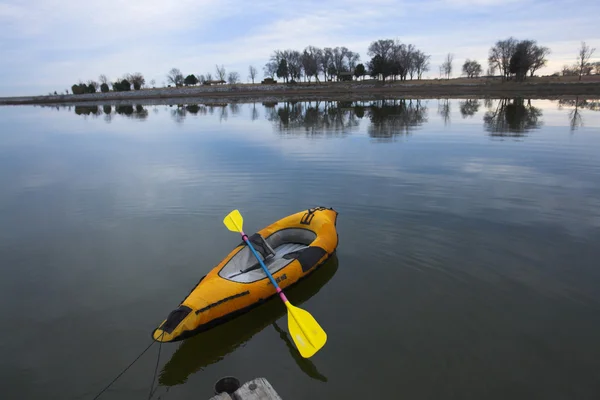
(49, 45)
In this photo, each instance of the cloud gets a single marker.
(54, 43)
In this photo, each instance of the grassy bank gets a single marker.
(545, 87)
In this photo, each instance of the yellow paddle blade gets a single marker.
(305, 331)
(234, 221)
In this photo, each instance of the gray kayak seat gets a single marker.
(261, 246)
(276, 251)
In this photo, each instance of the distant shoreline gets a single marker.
(340, 91)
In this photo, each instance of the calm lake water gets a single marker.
(467, 268)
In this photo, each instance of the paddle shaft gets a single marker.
(304, 329)
(279, 291)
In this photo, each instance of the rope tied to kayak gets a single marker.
(156, 367)
(131, 364)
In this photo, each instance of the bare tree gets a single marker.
(538, 55)
(444, 110)
(311, 62)
(175, 77)
(137, 79)
(208, 76)
(421, 62)
(253, 73)
(382, 48)
(447, 65)
(341, 59)
(569, 71)
(471, 68)
(233, 78)
(404, 60)
(382, 53)
(153, 82)
(221, 72)
(326, 61)
(270, 69)
(353, 59)
(585, 53)
(294, 63)
(103, 79)
(521, 60)
(93, 83)
(500, 55)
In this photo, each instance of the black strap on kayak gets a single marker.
(306, 218)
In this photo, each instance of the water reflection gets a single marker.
(388, 118)
(382, 119)
(312, 117)
(178, 111)
(87, 110)
(575, 118)
(138, 111)
(395, 117)
(211, 346)
(469, 107)
(306, 365)
(133, 111)
(254, 112)
(222, 110)
(512, 118)
(444, 110)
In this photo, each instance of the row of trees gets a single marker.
(311, 62)
(574, 70)
(513, 58)
(125, 83)
(583, 66)
(391, 58)
(176, 77)
(516, 58)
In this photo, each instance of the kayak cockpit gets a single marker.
(276, 251)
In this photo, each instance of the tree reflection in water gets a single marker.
(512, 118)
(133, 111)
(390, 118)
(469, 107)
(444, 110)
(254, 114)
(180, 111)
(87, 110)
(312, 117)
(577, 104)
(107, 108)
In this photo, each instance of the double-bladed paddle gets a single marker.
(306, 332)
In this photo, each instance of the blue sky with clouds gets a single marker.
(48, 45)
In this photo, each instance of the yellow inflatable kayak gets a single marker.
(290, 248)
